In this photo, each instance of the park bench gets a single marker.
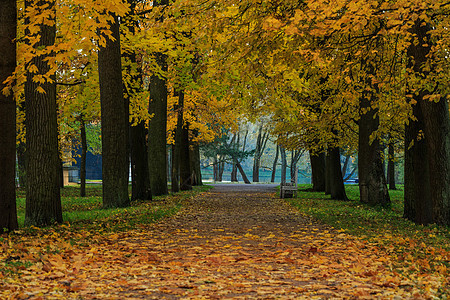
(289, 189)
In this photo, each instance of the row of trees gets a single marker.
(324, 74)
(356, 73)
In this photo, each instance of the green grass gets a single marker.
(87, 211)
(368, 222)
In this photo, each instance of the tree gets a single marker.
(334, 173)
(114, 114)
(274, 165)
(261, 142)
(391, 166)
(43, 199)
(318, 171)
(140, 177)
(372, 182)
(8, 29)
(157, 127)
(427, 139)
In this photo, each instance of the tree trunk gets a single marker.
(195, 164)
(215, 169)
(43, 200)
(427, 154)
(244, 177)
(83, 158)
(8, 27)
(115, 132)
(175, 171)
(157, 129)
(437, 139)
(372, 182)
(185, 166)
(283, 164)
(295, 157)
(221, 169)
(391, 166)
(328, 165)
(337, 188)
(261, 142)
(22, 164)
(140, 181)
(157, 126)
(318, 171)
(234, 170)
(274, 165)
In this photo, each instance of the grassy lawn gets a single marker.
(423, 248)
(87, 211)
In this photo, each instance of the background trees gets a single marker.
(351, 75)
(8, 30)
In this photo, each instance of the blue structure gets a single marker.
(93, 164)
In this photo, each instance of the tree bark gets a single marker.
(295, 157)
(83, 157)
(195, 164)
(244, 177)
(140, 178)
(157, 129)
(427, 154)
(175, 171)
(114, 114)
(261, 142)
(283, 164)
(391, 166)
(372, 182)
(185, 166)
(215, 169)
(274, 165)
(328, 165)
(337, 188)
(22, 164)
(8, 29)
(318, 171)
(234, 169)
(43, 200)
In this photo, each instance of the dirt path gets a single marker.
(232, 242)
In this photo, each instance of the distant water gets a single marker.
(264, 176)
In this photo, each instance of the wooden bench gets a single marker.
(289, 189)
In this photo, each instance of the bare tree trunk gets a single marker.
(43, 200)
(283, 164)
(295, 157)
(215, 169)
(372, 182)
(328, 164)
(185, 165)
(157, 127)
(83, 157)
(244, 177)
(428, 202)
(8, 29)
(115, 132)
(391, 166)
(318, 171)
(261, 143)
(274, 166)
(140, 177)
(234, 169)
(195, 164)
(221, 169)
(337, 188)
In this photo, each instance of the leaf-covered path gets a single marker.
(232, 242)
